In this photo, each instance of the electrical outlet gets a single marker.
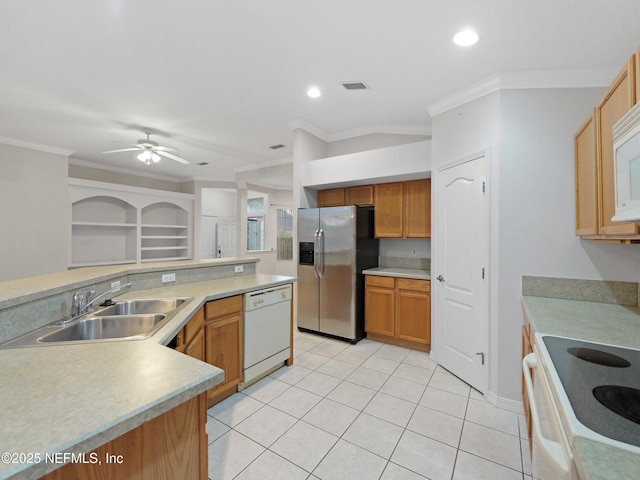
(414, 252)
(239, 268)
(168, 277)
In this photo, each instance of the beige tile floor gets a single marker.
(364, 411)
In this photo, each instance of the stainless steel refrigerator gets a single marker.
(335, 245)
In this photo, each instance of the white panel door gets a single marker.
(227, 237)
(459, 282)
(208, 236)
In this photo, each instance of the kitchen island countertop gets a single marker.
(76, 397)
(594, 322)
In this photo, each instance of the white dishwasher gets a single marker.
(267, 332)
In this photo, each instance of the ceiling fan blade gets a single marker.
(126, 143)
(122, 150)
(165, 149)
(173, 157)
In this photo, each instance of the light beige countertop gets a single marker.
(23, 290)
(399, 272)
(594, 322)
(73, 398)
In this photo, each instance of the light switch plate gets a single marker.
(239, 268)
(168, 277)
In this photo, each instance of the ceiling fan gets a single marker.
(150, 151)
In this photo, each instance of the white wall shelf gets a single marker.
(117, 224)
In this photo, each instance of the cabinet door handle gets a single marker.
(440, 278)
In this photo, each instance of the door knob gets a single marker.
(440, 278)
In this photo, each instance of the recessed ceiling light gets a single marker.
(314, 92)
(465, 38)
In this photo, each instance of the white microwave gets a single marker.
(626, 148)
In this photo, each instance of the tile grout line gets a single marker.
(376, 391)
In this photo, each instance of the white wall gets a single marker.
(218, 202)
(537, 209)
(529, 136)
(34, 212)
(370, 142)
(370, 166)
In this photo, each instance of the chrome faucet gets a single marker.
(84, 299)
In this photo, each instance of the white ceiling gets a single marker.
(222, 80)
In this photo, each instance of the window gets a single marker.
(255, 223)
(285, 234)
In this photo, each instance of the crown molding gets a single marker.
(533, 79)
(360, 131)
(36, 146)
(302, 124)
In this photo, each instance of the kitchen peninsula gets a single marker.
(62, 401)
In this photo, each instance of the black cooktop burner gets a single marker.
(624, 401)
(599, 357)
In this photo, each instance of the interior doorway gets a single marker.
(459, 286)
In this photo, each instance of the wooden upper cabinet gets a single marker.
(638, 75)
(332, 197)
(417, 209)
(362, 195)
(403, 209)
(389, 206)
(586, 178)
(617, 101)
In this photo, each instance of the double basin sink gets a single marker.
(124, 320)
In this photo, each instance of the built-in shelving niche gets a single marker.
(119, 224)
(164, 232)
(103, 232)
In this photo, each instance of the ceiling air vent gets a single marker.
(276, 147)
(355, 86)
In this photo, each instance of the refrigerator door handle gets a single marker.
(321, 238)
(316, 254)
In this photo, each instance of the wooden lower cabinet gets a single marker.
(413, 300)
(190, 340)
(380, 305)
(223, 344)
(527, 348)
(398, 311)
(172, 445)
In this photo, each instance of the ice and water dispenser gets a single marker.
(306, 253)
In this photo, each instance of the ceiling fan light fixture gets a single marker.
(466, 38)
(313, 92)
(148, 157)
